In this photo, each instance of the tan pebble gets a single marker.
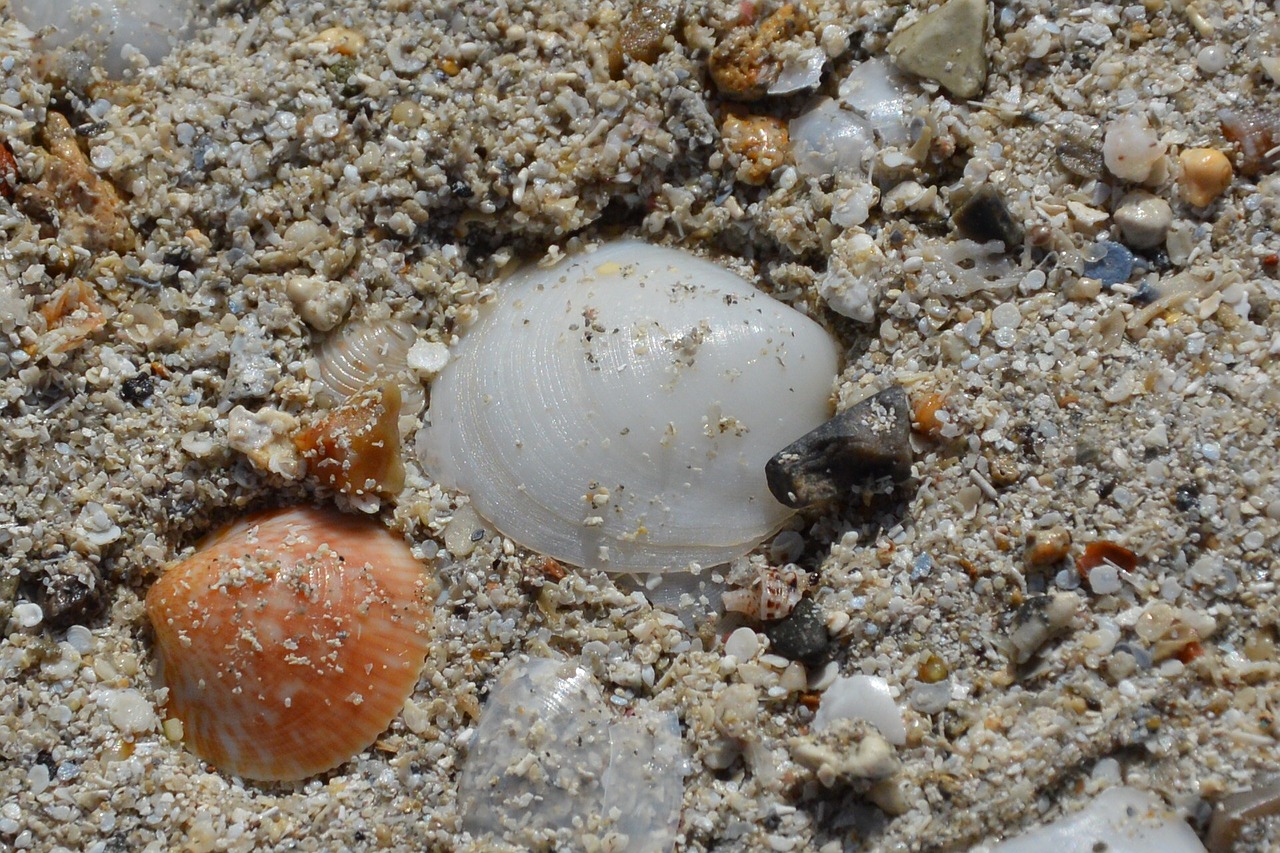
(761, 141)
(1206, 174)
(339, 40)
(1046, 547)
(407, 113)
(1259, 646)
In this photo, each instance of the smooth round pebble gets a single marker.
(742, 644)
(27, 614)
(1144, 219)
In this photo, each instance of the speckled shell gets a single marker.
(290, 640)
(548, 754)
(617, 409)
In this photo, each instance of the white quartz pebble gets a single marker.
(862, 697)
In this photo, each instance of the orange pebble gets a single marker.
(1206, 174)
(1097, 553)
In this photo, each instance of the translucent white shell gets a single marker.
(103, 28)
(617, 409)
(549, 755)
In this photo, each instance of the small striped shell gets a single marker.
(772, 595)
(363, 353)
(290, 640)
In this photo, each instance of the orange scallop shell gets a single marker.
(290, 640)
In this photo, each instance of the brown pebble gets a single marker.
(1004, 471)
(1097, 553)
(932, 670)
(643, 37)
(761, 142)
(1047, 547)
(8, 171)
(552, 570)
(743, 64)
(1206, 174)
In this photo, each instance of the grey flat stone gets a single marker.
(947, 45)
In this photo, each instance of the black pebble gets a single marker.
(985, 217)
(1186, 498)
(137, 389)
(870, 441)
(801, 635)
(68, 599)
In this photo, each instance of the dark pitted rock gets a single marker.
(69, 598)
(866, 443)
(801, 635)
(985, 217)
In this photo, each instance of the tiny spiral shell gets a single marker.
(771, 596)
(364, 352)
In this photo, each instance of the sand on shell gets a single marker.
(459, 139)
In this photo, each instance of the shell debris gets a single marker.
(289, 640)
(362, 353)
(355, 448)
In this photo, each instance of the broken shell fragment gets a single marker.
(867, 442)
(355, 448)
(365, 352)
(290, 640)
(617, 409)
(1118, 820)
(548, 755)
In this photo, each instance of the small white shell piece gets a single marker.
(862, 697)
(548, 756)
(617, 409)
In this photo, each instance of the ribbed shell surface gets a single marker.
(290, 640)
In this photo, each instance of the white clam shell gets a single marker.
(617, 409)
(548, 754)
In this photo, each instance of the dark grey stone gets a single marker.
(801, 635)
(985, 217)
(863, 444)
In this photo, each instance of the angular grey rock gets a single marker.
(865, 443)
(801, 635)
(985, 217)
(947, 45)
